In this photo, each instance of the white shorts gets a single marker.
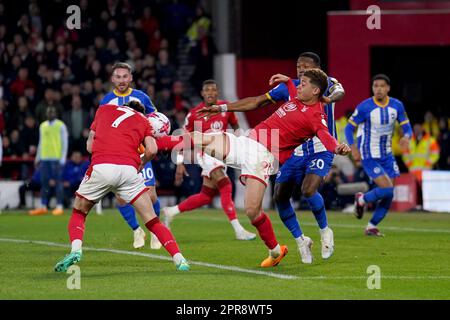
(122, 180)
(209, 164)
(251, 157)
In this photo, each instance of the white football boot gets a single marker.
(327, 240)
(139, 238)
(154, 242)
(305, 250)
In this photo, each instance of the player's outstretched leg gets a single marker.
(153, 224)
(225, 190)
(204, 197)
(254, 194)
(76, 233)
(168, 241)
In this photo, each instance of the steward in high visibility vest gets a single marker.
(422, 153)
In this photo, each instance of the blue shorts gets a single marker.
(296, 167)
(148, 175)
(375, 167)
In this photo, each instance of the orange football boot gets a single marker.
(38, 212)
(57, 212)
(271, 261)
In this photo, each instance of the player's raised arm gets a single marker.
(337, 93)
(243, 105)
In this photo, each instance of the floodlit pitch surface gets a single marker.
(413, 259)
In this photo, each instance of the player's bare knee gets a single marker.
(308, 190)
(82, 204)
(252, 212)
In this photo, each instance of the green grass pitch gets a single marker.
(413, 257)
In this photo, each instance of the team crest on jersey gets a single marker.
(289, 107)
(376, 170)
(217, 125)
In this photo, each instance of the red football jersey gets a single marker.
(118, 133)
(216, 123)
(291, 125)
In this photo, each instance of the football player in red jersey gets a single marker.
(274, 139)
(215, 179)
(116, 133)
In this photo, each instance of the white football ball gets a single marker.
(160, 124)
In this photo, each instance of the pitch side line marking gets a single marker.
(230, 268)
(348, 226)
(155, 256)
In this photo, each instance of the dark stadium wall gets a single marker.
(253, 78)
(350, 41)
(400, 4)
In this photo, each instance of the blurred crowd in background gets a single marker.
(43, 64)
(169, 45)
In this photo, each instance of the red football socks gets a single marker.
(225, 190)
(164, 235)
(198, 200)
(76, 225)
(265, 230)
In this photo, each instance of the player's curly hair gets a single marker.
(136, 105)
(318, 78)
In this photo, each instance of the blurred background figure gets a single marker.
(422, 153)
(73, 173)
(51, 157)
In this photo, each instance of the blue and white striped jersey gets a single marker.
(311, 146)
(375, 124)
(119, 99)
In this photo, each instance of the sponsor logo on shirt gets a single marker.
(289, 107)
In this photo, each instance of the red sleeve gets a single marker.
(327, 139)
(291, 89)
(232, 119)
(321, 130)
(189, 122)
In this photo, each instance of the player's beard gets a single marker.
(125, 86)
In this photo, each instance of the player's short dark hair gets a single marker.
(313, 56)
(209, 81)
(382, 76)
(122, 65)
(136, 105)
(318, 78)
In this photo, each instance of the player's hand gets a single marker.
(325, 100)
(342, 149)
(209, 111)
(404, 143)
(179, 174)
(355, 153)
(278, 78)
